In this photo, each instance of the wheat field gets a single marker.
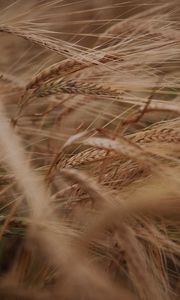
(89, 150)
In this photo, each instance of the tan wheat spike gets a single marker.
(162, 134)
(60, 69)
(121, 146)
(35, 39)
(73, 87)
(67, 67)
(70, 141)
(46, 43)
(87, 156)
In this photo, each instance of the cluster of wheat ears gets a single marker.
(89, 150)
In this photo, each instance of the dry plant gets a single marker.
(89, 150)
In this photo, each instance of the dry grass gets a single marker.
(89, 150)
